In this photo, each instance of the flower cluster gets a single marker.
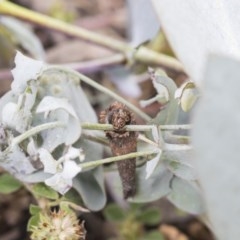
(61, 225)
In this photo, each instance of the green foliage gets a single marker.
(114, 213)
(34, 209)
(35, 216)
(41, 190)
(49, 98)
(130, 222)
(72, 196)
(153, 235)
(8, 184)
(150, 216)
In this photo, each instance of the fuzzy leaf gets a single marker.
(114, 213)
(16, 162)
(194, 30)
(186, 196)
(217, 147)
(72, 196)
(59, 109)
(41, 190)
(66, 84)
(90, 186)
(148, 190)
(165, 85)
(36, 177)
(181, 170)
(152, 164)
(179, 160)
(33, 221)
(34, 209)
(153, 188)
(150, 216)
(25, 70)
(8, 184)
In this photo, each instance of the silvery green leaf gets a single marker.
(186, 196)
(66, 84)
(181, 170)
(169, 112)
(153, 188)
(87, 146)
(151, 164)
(6, 98)
(9, 115)
(26, 69)
(59, 109)
(36, 177)
(16, 162)
(24, 36)
(217, 147)
(18, 115)
(178, 158)
(94, 180)
(194, 29)
(143, 23)
(49, 104)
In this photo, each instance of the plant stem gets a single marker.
(143, 54)
(12, 9)
(114, 159)
(36, 130)
(140, 128)
(97, 139)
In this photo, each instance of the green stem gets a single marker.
(12, 9)
(143, 54)
(140, 128)
(115, 159)
(36, 130)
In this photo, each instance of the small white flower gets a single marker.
(64, 169)
(49, 163)
(70, 169)
(58, 183)
(73, 153)
(62, 181)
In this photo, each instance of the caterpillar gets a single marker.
(122, 142)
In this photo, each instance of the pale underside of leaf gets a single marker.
(215, 138)
(195, 29)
